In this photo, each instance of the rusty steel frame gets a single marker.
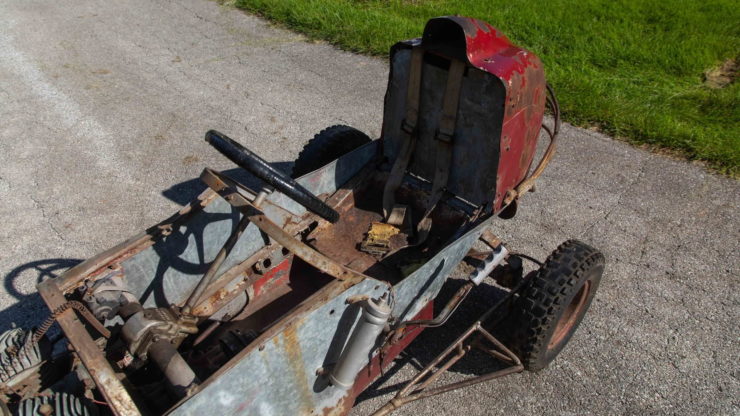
(416, 388)
(119, 398)
(227, 188)
(115, 393)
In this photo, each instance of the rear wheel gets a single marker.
(328, 145)
(554, 303)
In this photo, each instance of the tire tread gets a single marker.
(541, 302)
(327, 145)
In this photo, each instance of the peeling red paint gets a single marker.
(274, 277)
(522, 75)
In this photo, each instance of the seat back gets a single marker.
(490, 97)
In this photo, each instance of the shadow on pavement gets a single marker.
(30, 309)
(432, 341)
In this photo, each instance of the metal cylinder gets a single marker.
(375, 314)
(174, 367)
(489, 263)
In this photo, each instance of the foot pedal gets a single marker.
(383, 237)
(378, 239)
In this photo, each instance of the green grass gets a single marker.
(633, 68)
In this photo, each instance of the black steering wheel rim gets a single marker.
(257, 166)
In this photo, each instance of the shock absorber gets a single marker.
(375, 314)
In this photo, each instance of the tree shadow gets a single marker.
(30, 310)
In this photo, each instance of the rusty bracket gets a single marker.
(115, 393)
(490, 239)
(226, 188)
(416, 388)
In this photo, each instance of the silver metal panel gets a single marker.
(167, 272)
(280, 378)
(418, 288)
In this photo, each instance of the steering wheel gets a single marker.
(257, 166)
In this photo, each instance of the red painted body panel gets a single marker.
(523, 76)
(274, 277)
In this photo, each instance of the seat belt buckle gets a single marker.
(444, 135)
(407, 127)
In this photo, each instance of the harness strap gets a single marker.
(408, 126)
(444, 139)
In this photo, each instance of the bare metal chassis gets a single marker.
(278, 373)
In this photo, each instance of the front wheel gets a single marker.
(329, 144)
(554, 303)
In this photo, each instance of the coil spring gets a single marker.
(48, 322)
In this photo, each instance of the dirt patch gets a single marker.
(188, 160)
(722, 75)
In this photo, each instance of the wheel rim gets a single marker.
(570, 316)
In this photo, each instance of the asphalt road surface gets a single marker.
(103, 107)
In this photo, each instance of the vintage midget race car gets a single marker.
(291, 297)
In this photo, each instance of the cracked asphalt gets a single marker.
(103, 107)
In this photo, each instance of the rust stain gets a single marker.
(343, 406)
(187, 160)
(219, 295)
(292, 348)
